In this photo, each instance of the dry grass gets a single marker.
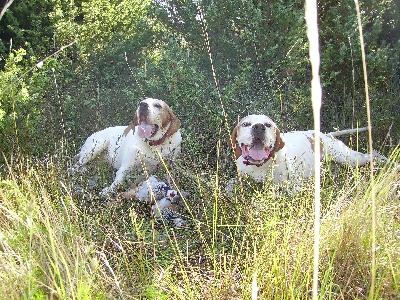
(55, 245)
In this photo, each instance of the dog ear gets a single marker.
(135, 120)
(279, 143)
(131, 126)
(175, 123)
(233, 144)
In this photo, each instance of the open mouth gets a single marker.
(147, 130)
(256, 153)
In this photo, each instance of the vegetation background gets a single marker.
(69, 68)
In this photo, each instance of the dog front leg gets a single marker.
(119, 179)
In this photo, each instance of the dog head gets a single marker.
(154, 121)
(256, 138)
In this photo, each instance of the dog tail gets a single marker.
(347, 131)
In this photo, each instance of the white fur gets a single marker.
(127, 151)
(294, 161)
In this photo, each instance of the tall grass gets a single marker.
(44, 252)
(259, 242)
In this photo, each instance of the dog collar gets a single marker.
(160, 141)
(157, 142)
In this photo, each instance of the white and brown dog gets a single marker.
(262, 151)
(154, 133)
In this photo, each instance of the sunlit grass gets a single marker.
(55, 244)
(44, 253)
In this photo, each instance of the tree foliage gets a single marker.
(125, 50)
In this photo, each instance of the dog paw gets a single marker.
(378, 157)
(106, 192)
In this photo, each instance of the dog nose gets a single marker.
(258, 127)
(143, 105)
(143, 109)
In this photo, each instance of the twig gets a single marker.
(6, 6)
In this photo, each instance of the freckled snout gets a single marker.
(143, 110)
(258, 130)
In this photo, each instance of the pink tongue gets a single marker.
(145, 130)
(258, 154)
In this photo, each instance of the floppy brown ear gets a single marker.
(135, 120)
(279, 143)
(131, 126)
(175, 123)
(233, 144)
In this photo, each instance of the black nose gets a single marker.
(143, 109)
(143, 105)
(258, 127)
(258, 131)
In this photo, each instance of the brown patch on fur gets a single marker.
(169, 117)
(279, 143)
(233, 144)
(312, 141)
(129, 128)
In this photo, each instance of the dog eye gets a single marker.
(157, 105)
(268, 125)
(246, 124)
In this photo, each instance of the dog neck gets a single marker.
(157, 142)
(169, 132)
(160, 140)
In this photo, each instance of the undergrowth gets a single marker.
(57, 243)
